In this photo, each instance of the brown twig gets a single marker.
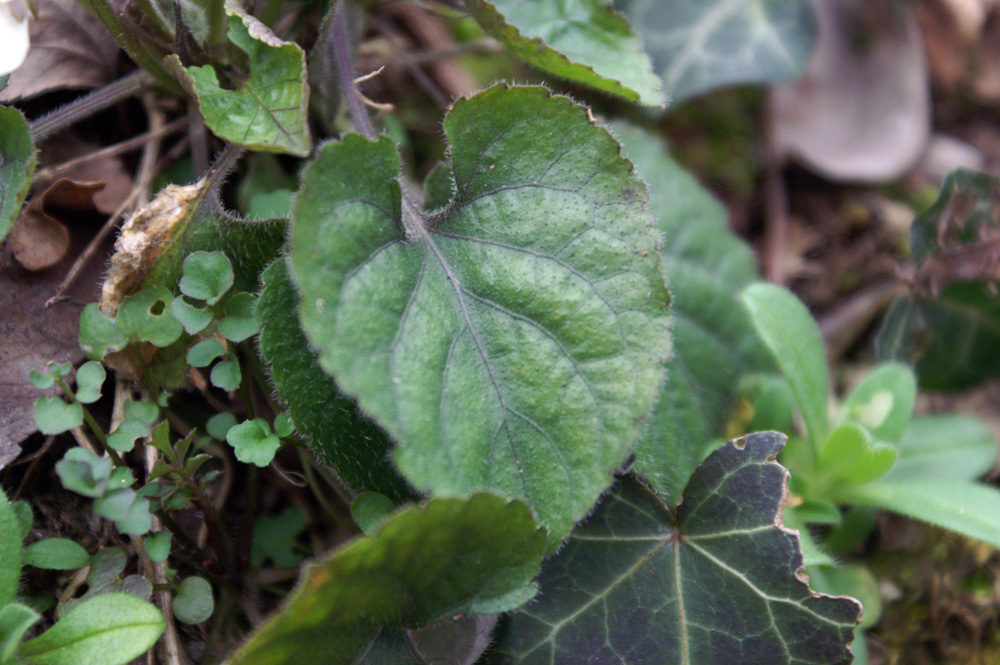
(775, 204)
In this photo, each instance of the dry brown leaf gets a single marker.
(109, 170)
(39, 240)
(862, 111)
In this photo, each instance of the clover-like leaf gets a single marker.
(267, 109)
(226, 375)
(240, 320)
(425, 564)
(585, 41)
(276, 538)
(336, 430)
(194, 601)
(17, 166)
(125, 435)
(717, 580)
(54, 416)
(254, 442)
(707, 266)
(89, 379)
(207, 276)
(194, 319)
(157, 546)
(83, 472)
(142, 317)
(698, 45)
(205, 352)
(515, 341)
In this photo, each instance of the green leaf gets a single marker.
(207, 276)
(851, 456)
(146, 317)
(969, 509)
(205, 352)
(220, 424)
(276, 538)
(240, 320)
(10, 551)
(15, 620)
(25, 518)
(883, 401)
(514, 343)
(40, 380)
(83, 472)
(54, 416)
(99, 335)
(699, 46)
(790, 333)
(337, 432)
(17, 166)
(369, 510)
(945, 447)
(226, 375)
(585, 41)
(158, 546)
(56, 554)
(194, 602)
(426, 563)
(194, 319)
(116, 504)
(89, 379)
(109, 629)
(714, 344)
(128, 432)
(718, 581)
(105, 567)
(267, 108)
(253, 442)
(138, 522)
(284, 426)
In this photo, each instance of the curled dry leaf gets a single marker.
(69, 49)
(862, 111)
(39, 240)
(108, 170)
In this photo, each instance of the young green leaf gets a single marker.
(276, 538)
(56, 554)
(127, 433)
(158, 546)
(25, 516)
(89, 379)
(284, 426)
(207, 276)
(205, 352)
(965, 508)
(791, 334)
(337, 432)
(83, 472)
(142, 317)
(54, 416)
(194, 319)
(116, 504)
(513, 343)
(109, 629)
(194, 602)
(220, 424)
(226, 375)
(883, 401)
(585, 41)
(138, 521)
(714, 343)
(689, 587)
(698, 46)
(851, 456)
(267, 109)
(121, 477)
(240, 320)
(10, 551)
(17, 166)
(425, 564)
(945, 447)
(40, 380)
(15, 620)
(369, 510)
(253, 442)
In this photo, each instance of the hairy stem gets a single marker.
(89, 104)
(345, 72)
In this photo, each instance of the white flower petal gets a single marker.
(14, 41)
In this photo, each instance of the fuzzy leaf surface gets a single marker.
(946, 446)
(515, 341)
(582, 40)
(425, 563)
(699, 45)
(337, 431)
(716, 581)
(714, 344)
(10, 551)
(17, 166)
(267, 110)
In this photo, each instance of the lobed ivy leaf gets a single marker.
(714, 343)
(10, 551)
(267, 108)
(512, 342)
(109, 629)
(699, 45)
(585, 41)
(339, 435)
(426, 563)
(715, 580)
(17, 166)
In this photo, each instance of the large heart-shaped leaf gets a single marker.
(714, 344)
(515, 340)
(718, 580)
(425, 564)
(17, 165)
(338, 433)
(585, 41)
(698, 45)
(267, 109)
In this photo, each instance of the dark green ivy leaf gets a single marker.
(512, 342)
(716, 580)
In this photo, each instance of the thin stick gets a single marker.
(53, 172)
(345, 66)
(89, 104)
(775, 204)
